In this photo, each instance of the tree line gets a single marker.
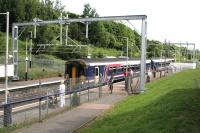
(101, 34)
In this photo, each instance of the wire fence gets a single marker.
(34, 106)
(49, 101)
(41, 68)
(2, 60)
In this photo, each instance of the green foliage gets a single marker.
(103, 52)
(88, 11)
(43, 66)
(101, 34)
(170, 105)
(109, 34)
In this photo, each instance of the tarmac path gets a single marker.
(72, 120)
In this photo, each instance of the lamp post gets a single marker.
(6, 58)
(26, 60)
(30, 50)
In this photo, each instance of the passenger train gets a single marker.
(89, 69)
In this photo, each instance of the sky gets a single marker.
(173, 20)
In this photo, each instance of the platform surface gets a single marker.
(69, 121)
(21, 84)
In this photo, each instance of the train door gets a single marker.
(74, 75)
(96, 76)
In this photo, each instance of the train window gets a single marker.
(111, 71)
(119, 70)
(123, 70)
(96, 71)
(114, 70)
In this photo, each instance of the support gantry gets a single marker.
(86, 20)
(187, 44)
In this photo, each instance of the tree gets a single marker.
(89, 11)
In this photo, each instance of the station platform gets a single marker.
(72, 120)
(23, 84)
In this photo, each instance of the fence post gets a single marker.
(70, 95)
(47, 101)
(79, 91)
(99, 90)
(88, 91)
(160, 73)
(7, 117)
(126, 84)
(40, 87)
(100, 86)
(40, 110)
(154, 73)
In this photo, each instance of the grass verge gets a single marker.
(171, 105)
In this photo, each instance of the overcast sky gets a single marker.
(173, 20)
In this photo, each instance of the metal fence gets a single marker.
(40, 68)
(47, 102)
(34, 107)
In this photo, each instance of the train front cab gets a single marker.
(76, 71)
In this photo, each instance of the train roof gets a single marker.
(162, 59)
(111, 61)
(108, 61)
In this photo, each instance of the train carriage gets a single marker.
(93, 69)
(158, 64)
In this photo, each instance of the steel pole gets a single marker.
(15, 50)
(6, 61)
(26, 60)
(35, 29)
(30, 56)
(66, 41)
(127, 56)
(187, 52)
(86, 32)
(61, 29)
(143, 56)
(86, 36)
(194, 54)
(175, 55)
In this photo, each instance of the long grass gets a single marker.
(170, 105)
(43, 66)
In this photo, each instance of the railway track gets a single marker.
(26, 89)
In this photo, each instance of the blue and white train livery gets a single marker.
(96, 68)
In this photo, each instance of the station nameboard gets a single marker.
(10, 70)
